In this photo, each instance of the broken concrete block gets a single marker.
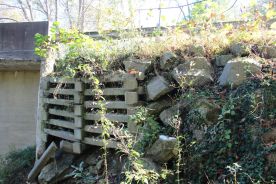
(167, 60)
(238, 70)
(239, 49)
(268, 52)
(196, 50)
(140, 65)
(163, 149)
(54, 169)
(157, 87)
(195, 72)
(131, 98)
(223, 59)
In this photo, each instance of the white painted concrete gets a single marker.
(18, 102)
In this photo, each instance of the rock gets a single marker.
(236, 71)
(158, 106)
(208, 111)
(163, 149)
(196, 72)
(167, 60)
(196, 50)
(54, 169)
(268, 52)
(269, 136)
(149, 164)
(137, 65)
(239, 49)
(169, 115)
(157, 87)
(223, 59)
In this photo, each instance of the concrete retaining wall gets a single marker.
(18, 101)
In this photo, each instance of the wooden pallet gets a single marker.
(121, 92)
(63, 111)
(71, 109)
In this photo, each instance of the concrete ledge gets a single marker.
(16, 65)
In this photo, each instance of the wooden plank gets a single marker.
(99, 142)
(61, 123)
(131, 98)
(130, 84)
(40, 163)
(61, 134)
(109, 116)
(61, 91)
(78, 133)
(107, 104)
(58, 101)
(114, 91)
(98, 129)
(62, 80)
(107, 91)
(61, 113)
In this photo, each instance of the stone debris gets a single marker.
(163, 149)
(157, 87)
(196, 72)
(137, 65)
(237, 71)
(158, 106)
(53, 170)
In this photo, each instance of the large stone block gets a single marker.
(238, 70)
(157, 87)
(137, 65)
(195, 72)
(160, 105)
(163, 149)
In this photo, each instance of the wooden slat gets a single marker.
(61, 91)
(61, 134)
(114, 91)
(107, 104)
(109, 116)
(99, 142)
(61, 113)
(58, 101)
(61, 123)
(107, 91)
(98, 129)
(61, 80)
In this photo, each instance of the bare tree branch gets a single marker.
(5, 18)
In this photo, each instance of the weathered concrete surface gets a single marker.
(17, 39)
(18, 102)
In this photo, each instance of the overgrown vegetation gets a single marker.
(231, 149)
(15, 166)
